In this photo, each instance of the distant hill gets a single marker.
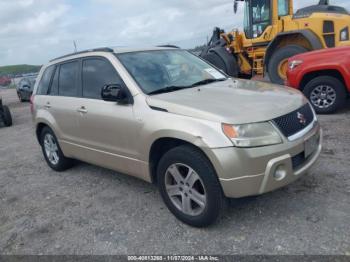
(18, 69)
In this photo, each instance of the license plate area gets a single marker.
(311, 145)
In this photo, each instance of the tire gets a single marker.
(57, 162)
(278, 57)
(20, 97)
(206, 187)
(230, 67)
(7, 116)
(334, 93)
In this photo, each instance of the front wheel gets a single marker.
(326, 93)
(189, 186)
(278, 64)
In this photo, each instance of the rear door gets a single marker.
(62, 103)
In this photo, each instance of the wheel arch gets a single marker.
(305, 38)
(40, 125)
(326, 72)
(161, 146)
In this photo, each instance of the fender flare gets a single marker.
(310, 36)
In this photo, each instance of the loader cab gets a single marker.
(260, 15)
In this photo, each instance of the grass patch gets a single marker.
(19, 69)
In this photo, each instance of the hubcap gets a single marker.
(51, 149)
(323, 96)
(185, 189)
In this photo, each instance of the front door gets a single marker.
(108, 130)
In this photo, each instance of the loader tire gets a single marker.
(226, 62)
(278, 64)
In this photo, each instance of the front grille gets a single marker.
(295, 121)
(329, 40)
(328, 33)
(328, 27)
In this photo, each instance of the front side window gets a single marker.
(168, 70)
(283, 7)
(67, 81)
(45, 81)
(246, 20)
(97, 73)
(257, 17)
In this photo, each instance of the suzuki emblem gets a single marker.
(302, 119)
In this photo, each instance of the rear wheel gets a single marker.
(326, 93)
(7, 116)
(189, 186)
(52, 151)
(278, 63)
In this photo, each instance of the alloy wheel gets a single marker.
(185, 189)
(51, 149)
(323, 96)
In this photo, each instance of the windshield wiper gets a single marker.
(168, 89)
(207, 81)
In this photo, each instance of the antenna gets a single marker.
(75, 46)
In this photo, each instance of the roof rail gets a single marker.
(171, 46)
(103, 49)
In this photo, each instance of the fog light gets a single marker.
(280, 173)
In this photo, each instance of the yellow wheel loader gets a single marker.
(272, 34)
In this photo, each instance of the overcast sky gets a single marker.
(35, 31)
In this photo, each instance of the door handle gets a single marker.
(82, 110)
(47, 106)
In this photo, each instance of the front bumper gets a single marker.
(251, 171)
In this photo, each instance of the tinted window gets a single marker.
(54, 85)
(96, 74)
(45, 81)
(67, 82)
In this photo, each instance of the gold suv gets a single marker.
(170, 118)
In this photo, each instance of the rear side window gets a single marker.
(98, 72)
(45, 81)
(54, 85)
(68, 80)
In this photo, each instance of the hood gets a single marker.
(232, 101)
(329, 53)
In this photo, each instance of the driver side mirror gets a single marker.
(115, 93)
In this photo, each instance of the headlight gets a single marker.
(294, 63)
(344, 34)
(252, 135)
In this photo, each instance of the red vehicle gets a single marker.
(323, 76)
(5, 81)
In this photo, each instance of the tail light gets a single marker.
(32, 104)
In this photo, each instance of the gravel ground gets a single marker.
(91, 210)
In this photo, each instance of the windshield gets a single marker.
(168, 70)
